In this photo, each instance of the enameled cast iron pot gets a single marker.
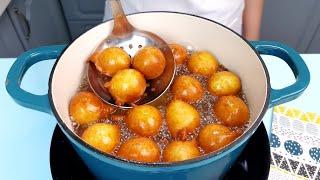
(232, 50)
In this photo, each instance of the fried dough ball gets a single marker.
(224, 83)
(179, 52)
(116, 117)
(144, 120)
(140, 149)
(85, 107)
(126, 86)
(182, 118)
(203, 63)
(150, 61)
(94, 57)
(231, 111)
(104, 137)
(111, 60)
(180, 151)
(187, 88)
(213, 137)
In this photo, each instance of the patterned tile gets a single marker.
(302, 171)
(277, 158)
(293, 164)
(295, 144)
(284, 165)
(311, 170)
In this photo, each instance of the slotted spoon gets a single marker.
(131, 39)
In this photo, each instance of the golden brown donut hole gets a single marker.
(144, 120)
(231, 111)
(187, 88)
(180, 151)
(203, 63)
(140, 149)
(104, 137)
(224, 83)
(126, 86)
(150, 61)
(111, 60)
(179, 52)
(213, 137)
(182, 119)
(85, 107)
(94, 57)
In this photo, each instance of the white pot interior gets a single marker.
(231, 51)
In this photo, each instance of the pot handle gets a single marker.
(17, 71)
(295, 62)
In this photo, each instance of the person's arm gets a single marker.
(252, 19)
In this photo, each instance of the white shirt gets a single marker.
(227, 12)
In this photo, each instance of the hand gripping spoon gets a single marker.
(125, 36)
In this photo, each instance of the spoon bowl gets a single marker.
(130, 39)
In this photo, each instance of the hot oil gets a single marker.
(203, 106)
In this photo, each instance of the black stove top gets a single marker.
(253, 163)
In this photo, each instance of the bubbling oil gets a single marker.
(204, 106)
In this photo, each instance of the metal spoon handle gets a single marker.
(121, 23)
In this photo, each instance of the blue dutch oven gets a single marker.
(232, 50)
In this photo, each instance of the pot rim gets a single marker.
(215, 155)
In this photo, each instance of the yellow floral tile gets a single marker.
(277, 170)
(279, 109)
(304, 117)
(311, 116)
(318, 120)
(295, 113)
